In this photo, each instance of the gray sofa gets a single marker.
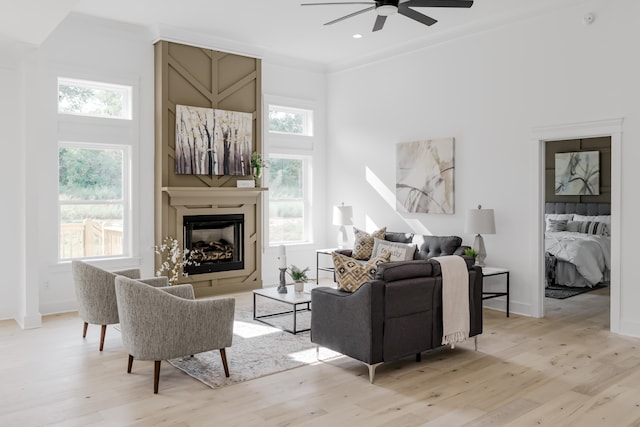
(397, 314)
(426, 246)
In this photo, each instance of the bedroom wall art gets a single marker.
(424, 176)
(578, 173)
(212, 142)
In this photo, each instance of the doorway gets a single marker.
(602, 128)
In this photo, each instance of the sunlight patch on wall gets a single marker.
(415, 225)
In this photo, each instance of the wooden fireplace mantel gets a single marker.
(180, 196)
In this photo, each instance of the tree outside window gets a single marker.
(91, 199)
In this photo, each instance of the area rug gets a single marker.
(257, 350)
(562, 292)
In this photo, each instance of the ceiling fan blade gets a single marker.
(403, 9)
(377, 26)
(439, 3)
(350, 15)
(350, 2)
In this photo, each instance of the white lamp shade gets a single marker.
(480, 221)
(343, 215)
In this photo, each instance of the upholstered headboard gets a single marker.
(577, 208)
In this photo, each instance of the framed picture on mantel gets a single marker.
(213, 142)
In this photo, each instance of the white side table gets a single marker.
(496, 271)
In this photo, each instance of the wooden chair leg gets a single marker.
(84, 330)
(223, 354)
(156, 376)
(130, 364)
(102, 334)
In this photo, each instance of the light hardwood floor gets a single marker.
(565, 369)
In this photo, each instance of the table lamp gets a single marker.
(480, 221)
(342, 216)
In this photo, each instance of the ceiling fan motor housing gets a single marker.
(386, 7)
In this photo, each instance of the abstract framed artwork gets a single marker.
(212, 142)
(578, 173)
(424, 176)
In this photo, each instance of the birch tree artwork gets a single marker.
(424, 176)
(232, 142)
(212, 142)
(578, 173)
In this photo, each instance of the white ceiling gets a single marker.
(280, 28)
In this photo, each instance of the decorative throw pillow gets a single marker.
(597, 228)
(547, 217)
(573, 226)
(363, 244)
(398, 251)
(555, 225)
(350, 274)
(593, 218)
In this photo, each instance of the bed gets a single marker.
(577, 243)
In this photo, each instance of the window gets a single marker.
(289, 199)
(95, 99)
(289, 120)
(93, 200)
(290, 150)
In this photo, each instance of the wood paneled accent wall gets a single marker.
(194, 76)
(602, 144)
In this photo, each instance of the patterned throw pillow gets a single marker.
(363, 244)
(557, 225)
(351, 274)
(398, 251)
(597, 228)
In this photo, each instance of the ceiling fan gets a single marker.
(386, 8)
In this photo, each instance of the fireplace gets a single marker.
(216, 242)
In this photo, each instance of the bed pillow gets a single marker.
(350, 274)
(594, 227)
(555, 225)
(398, 251)
(363, 243)
(547, 217)
(573, 226)
(593, 218)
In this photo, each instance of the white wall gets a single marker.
(12, 182)
(84, 47)
(489, 91)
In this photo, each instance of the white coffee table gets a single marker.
(295, 300)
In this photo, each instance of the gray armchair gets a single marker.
(96, 295)
(165, 323)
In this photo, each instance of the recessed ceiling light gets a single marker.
(357, 36)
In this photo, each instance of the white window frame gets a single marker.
(125, 201)
(109, 132)
(126, 90)
(307, 181)
(294, 146)
(307, 119)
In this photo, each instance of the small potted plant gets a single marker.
(257, 164)
(471, 253)
(299, 276)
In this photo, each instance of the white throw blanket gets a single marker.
(455, 299)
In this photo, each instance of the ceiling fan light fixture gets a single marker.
(386, 10)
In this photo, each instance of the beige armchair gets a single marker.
(165, 323)
(96, 295)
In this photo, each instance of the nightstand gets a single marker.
(496, 271)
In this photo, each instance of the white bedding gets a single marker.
(591, 254)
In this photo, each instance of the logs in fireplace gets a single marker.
(215, 241)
